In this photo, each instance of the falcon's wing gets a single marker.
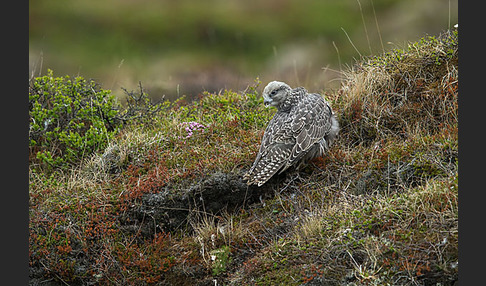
(312, 121)
(274, 150)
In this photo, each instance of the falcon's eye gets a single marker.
(273, 92)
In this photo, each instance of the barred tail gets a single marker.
(268, 165)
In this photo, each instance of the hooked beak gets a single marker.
(266, 102)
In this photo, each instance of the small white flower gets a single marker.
(46, 123)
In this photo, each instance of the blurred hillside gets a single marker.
(184, 47)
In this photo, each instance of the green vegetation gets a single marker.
(184, 47)
(68, 118)
(141, 30)
(161, 201)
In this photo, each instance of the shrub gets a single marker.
(69, 118)
(139, 107)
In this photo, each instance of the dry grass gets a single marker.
(401, 92)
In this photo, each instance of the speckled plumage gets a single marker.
(303, 128)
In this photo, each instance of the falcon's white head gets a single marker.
(275, 93)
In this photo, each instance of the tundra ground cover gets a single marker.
(161, 201)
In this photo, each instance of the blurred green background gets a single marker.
(182, 47)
